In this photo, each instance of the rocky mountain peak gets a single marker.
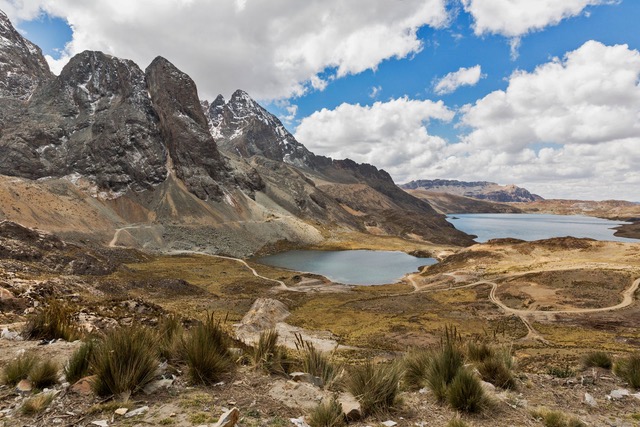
(22, 65)
(243, 127)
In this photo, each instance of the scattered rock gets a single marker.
(299, 422)
(10, 335)
(154, 386)
(100, 423)
(24, 386)
(307, 378)
(229, 418)
(136, 412)
(83, 386)
(350, 406)
(488, 387)
(590, 400)
(618, 394)
(389, 423)
(121, 411)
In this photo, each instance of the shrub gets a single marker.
(124, 361)
(465, 392)
(267, 354)
(416, 366)
(19, 368)
(445, 365)
(53, 321)
(44, 374)
(316, 362)
(327, 414)
(375, 386)
(206, 352)
(597, 359)
(628, 369)
(496, 370)
(170, 334)
(78, 365)
(37, 403)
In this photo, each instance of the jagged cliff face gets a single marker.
(22, 65)
(242, 127)
(481, 190)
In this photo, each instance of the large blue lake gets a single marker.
(359, 267)
(535, 226)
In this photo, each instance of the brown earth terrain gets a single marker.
(552, 301)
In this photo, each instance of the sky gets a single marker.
(542, 94)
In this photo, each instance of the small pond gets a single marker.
(535, 226)
(359, 267)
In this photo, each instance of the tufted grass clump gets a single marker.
(316, 362)
(497, 369)
(37, 403)
(376, 387)
(124, 361)
(268, 355)
(206, 352)
(416, 365)
(597, 359)
(551, 418)
(19, 368)
(456, 422)
(445, 364)
(52, 321)
(327, 414)
(170, 333)
(628, 369)
(465, 393)
(479, 351)
(44, 374)
(78, 364)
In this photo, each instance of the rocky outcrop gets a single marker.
(242, 127)
(94, 121)
(22, 65)
(481, 190)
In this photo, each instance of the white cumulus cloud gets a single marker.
(569, 128)
(463, 77)
(392, 135)
(272, 49)
(515, 18)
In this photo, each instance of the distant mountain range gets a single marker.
(481, 190)
(115, 154)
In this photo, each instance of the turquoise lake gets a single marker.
(359, 267)
(535, 226)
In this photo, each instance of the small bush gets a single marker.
(327, 414)
(78, 365)
(495, 370)
(44, 374)
(465, 392)
(560, 372)
(555, 418)
(52, 321)
(375, 386)
(37, 403)
(170, 334)
(445, 365)
(19, 368)
(628, 369)
(416, 366)
(597, 359)
(124, 361)
(316, 362)
(206, 352)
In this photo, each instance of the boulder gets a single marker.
(229, 418)
(350, 406)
